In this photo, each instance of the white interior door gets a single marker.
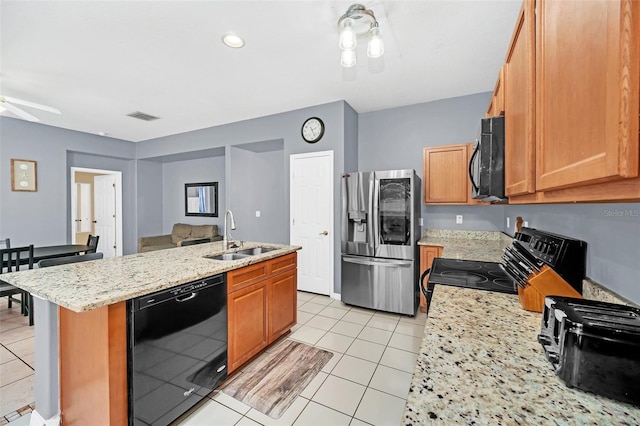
(311, 178)
(86, 207)
(105, 196)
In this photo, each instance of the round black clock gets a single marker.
(312, 129)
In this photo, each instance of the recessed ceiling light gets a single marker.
(233, 40)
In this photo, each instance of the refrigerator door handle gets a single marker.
(372, 215)
(375, 212)
(390, 263)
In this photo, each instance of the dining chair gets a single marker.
(11, 260)
(44, 263)
(92, 242)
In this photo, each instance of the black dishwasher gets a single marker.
(177, 349)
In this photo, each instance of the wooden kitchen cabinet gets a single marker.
(519, 98)
(427, 254)
(576, 139)
(496, 105)
(247, 310)
(587, 88)
(446, 175)
(262, 306)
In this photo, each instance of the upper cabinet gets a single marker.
(446, 175)
(587, 79)
(519, 98)
(496, 105)
(572, 102)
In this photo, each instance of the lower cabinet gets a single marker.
(262, 306)
(427, 254)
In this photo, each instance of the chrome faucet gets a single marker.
(227, 241)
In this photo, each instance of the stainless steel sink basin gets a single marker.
(256, 251)
(227, 256)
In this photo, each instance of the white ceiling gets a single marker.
(98, 61)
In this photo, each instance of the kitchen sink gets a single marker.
(241, 254)
(256, 250)
(228, 256)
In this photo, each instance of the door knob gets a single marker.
(324, 233)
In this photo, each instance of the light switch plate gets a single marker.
(508, 222)
(421, 222)
(257, 213)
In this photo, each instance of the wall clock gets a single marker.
(312, 129)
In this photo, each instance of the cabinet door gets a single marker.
(445, 178)
(282, 310)
(427, 254)
(587, 84)
(247, 309)
(496, 105)
(519, 102)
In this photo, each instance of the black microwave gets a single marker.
(486, 166)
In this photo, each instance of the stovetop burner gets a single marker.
(471, 274)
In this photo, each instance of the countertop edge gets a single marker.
(49, 283)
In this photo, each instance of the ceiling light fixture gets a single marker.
(358, 21)
(233, 40)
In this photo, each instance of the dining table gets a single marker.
(51, 252)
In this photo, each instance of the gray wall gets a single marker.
(43, 217)
(174, 175)
(394, 139)
(257, 184)
(285, 127)
(149, 201)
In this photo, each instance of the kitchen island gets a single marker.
(480, 363)
(80, 330)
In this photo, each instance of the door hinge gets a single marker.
(113, 184)
(293, 221)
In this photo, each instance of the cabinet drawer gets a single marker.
(243, 277)
(282, 263)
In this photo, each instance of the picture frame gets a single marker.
(24, 175)
(201, 199)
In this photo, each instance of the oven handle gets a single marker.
(473, 156)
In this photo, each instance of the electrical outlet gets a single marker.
(508, 222)
(526, 224)
(421, 222)
(257, 213)
(458, 218)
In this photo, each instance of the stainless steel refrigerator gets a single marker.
(380, 230)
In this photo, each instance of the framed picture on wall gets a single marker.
(24, 176)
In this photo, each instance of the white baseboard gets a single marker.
(336, 296)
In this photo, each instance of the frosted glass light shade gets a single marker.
(347, 35)
(348, 58)
(375, 48)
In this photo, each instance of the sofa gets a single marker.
(181, 234)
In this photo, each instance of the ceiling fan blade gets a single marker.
(17, 111)
(32, 105)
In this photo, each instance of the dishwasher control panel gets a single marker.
(184, 290)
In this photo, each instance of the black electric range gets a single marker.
(471, 274)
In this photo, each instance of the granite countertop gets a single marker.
(480, 363)
(470, 245)
(89, 285)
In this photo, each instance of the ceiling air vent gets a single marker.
(142, 116)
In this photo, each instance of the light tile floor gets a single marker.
(16, 363)
(365, 382)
